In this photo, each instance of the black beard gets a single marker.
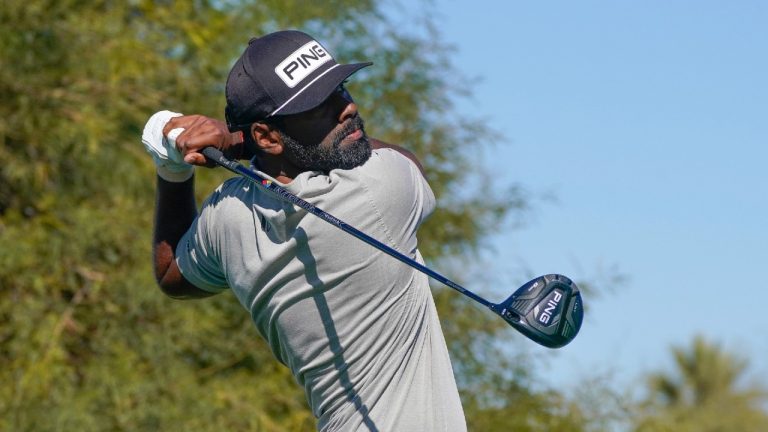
(326, 157)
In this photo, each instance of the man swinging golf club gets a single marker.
(358, 329)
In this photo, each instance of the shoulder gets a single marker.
(387, 172)
(395, 180)
(230, 203)
(402, 151)
(388, 162)
(235, 187)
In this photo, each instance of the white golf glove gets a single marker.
(168, 159)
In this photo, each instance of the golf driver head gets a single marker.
(548, 310)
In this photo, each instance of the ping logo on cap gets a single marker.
(302, 62)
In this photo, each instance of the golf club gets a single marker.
(548, 309)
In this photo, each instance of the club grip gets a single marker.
(215, 157)
(213, 154)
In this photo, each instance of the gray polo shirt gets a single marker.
(357, 328)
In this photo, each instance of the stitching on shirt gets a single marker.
(379, 216)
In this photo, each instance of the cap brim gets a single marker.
(317, 91)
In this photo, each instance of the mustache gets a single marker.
(350, 125)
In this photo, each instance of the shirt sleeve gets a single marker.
(400, 194)
(197, 254)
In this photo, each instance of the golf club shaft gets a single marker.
(217, 156)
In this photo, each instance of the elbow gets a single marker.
(182, 290)
(170, 280)
(171, 291)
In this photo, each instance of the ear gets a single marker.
(267, 138)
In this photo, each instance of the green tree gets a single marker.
(87, 341)
(703, 394)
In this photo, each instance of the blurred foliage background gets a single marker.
(88, 342)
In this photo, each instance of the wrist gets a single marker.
(175, 175)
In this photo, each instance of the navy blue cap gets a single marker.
(285, 72)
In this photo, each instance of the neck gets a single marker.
(278, 167)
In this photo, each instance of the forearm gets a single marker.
(175, 210)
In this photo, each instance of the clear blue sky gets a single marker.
(648, 120)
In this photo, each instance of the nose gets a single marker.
(349, 111)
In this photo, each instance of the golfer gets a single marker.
(357, 328)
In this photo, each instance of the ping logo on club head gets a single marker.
(301, 63)
(533, 286)
(552, 306)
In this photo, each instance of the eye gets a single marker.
(343, 92)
